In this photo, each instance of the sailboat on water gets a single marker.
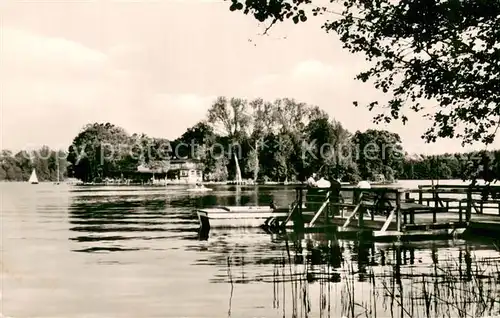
(33, 178)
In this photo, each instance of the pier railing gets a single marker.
(397, 207)
(319, 205)
(386, 212)
(455, 198)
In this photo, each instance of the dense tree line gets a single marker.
(282, 140)
(472, 165)
(102, 151)
(18, 166)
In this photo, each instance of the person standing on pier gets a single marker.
(316, 194)
(311, 182)
(323, 183)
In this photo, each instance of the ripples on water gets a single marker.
(136, 252)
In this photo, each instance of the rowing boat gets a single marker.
(238, 216)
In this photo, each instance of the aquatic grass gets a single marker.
(443, 293)
(230, 276)
(445, 289)
(339, 278)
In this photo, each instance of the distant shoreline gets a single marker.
(223, 183)
(182, 184)
(189, 184)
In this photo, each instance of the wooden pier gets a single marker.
(390, 213)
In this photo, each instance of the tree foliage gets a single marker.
(378, 152)
(105, 150)
(230, 117)
(295, 140)
(439, 57)
(47, 162)
(330, 146)
(285, 140)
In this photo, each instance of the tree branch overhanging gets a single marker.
(446, 52)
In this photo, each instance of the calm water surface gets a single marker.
(136, 252)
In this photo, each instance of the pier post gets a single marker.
(460, 217)
(398, 210)
(300, 200)
(411, 217)
(435, 197)
(298, 220)
(335, 198)
(361, 212)
(420, 196)
(356, 200)
(407, 199)
(355, 196)
(468, 209)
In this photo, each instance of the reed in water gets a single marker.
(344, 279)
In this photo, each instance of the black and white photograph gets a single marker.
(249, 158)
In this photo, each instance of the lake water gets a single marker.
(136, 252)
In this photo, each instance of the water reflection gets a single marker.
(310, 275)
(116, 223)
(320, 276)
(138, 253)
(122, 218)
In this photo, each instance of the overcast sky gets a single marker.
(155, 67)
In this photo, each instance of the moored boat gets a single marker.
(199, 188)
(238, 216)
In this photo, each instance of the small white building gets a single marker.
(186, 171)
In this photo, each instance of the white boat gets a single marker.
(238, 216)
(33, 178)
(73, 181)
(200, 189)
